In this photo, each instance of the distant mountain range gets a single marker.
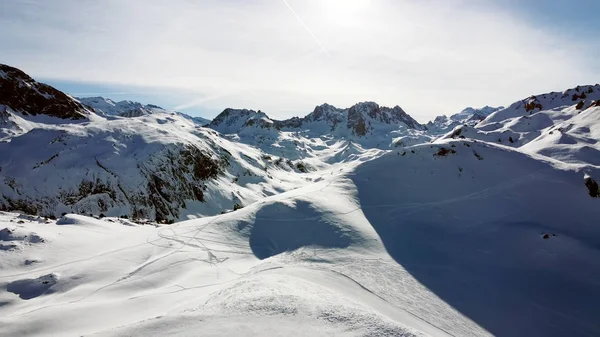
(108, 107)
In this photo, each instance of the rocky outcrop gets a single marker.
(23, 94)
(592, 187)
(533, 104)
(165, 182)
(231, 120)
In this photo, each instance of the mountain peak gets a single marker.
(232, 120)
(23, 94)
(358, 120)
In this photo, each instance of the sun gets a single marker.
(345, 12)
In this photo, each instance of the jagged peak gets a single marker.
(325, 106)
(324, 117)
(233, 120)
(365, 104)
(234, 113)
(438, 119)
(323, 112)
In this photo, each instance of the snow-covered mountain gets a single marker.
(580, 97)
(107, 107)
(468, 116)
(235, 120)
(527, 119)
(160, 166)
(364, 123)
(356, 221)
(360, 120)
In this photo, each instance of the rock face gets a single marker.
(232, 120)
(23, 94)
(592, 187)
(364, 117)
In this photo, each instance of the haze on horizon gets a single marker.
(286, 56)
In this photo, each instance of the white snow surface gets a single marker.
(414, 244)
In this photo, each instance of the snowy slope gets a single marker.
(472, 230)
(528, 119)
(553, 101)
(576, 140)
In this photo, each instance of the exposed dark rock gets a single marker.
(456, 133)
(592, 187)
(356, 122)
(533, 104)
(22, 93)
(576, 97)
(301, 167)
(442, 152)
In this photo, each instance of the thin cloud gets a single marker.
(306, 28)
(82, 94)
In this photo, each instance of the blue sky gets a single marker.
(164, 97)
(572, 18)
(286, 56)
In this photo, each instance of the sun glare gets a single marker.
(345, 12)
